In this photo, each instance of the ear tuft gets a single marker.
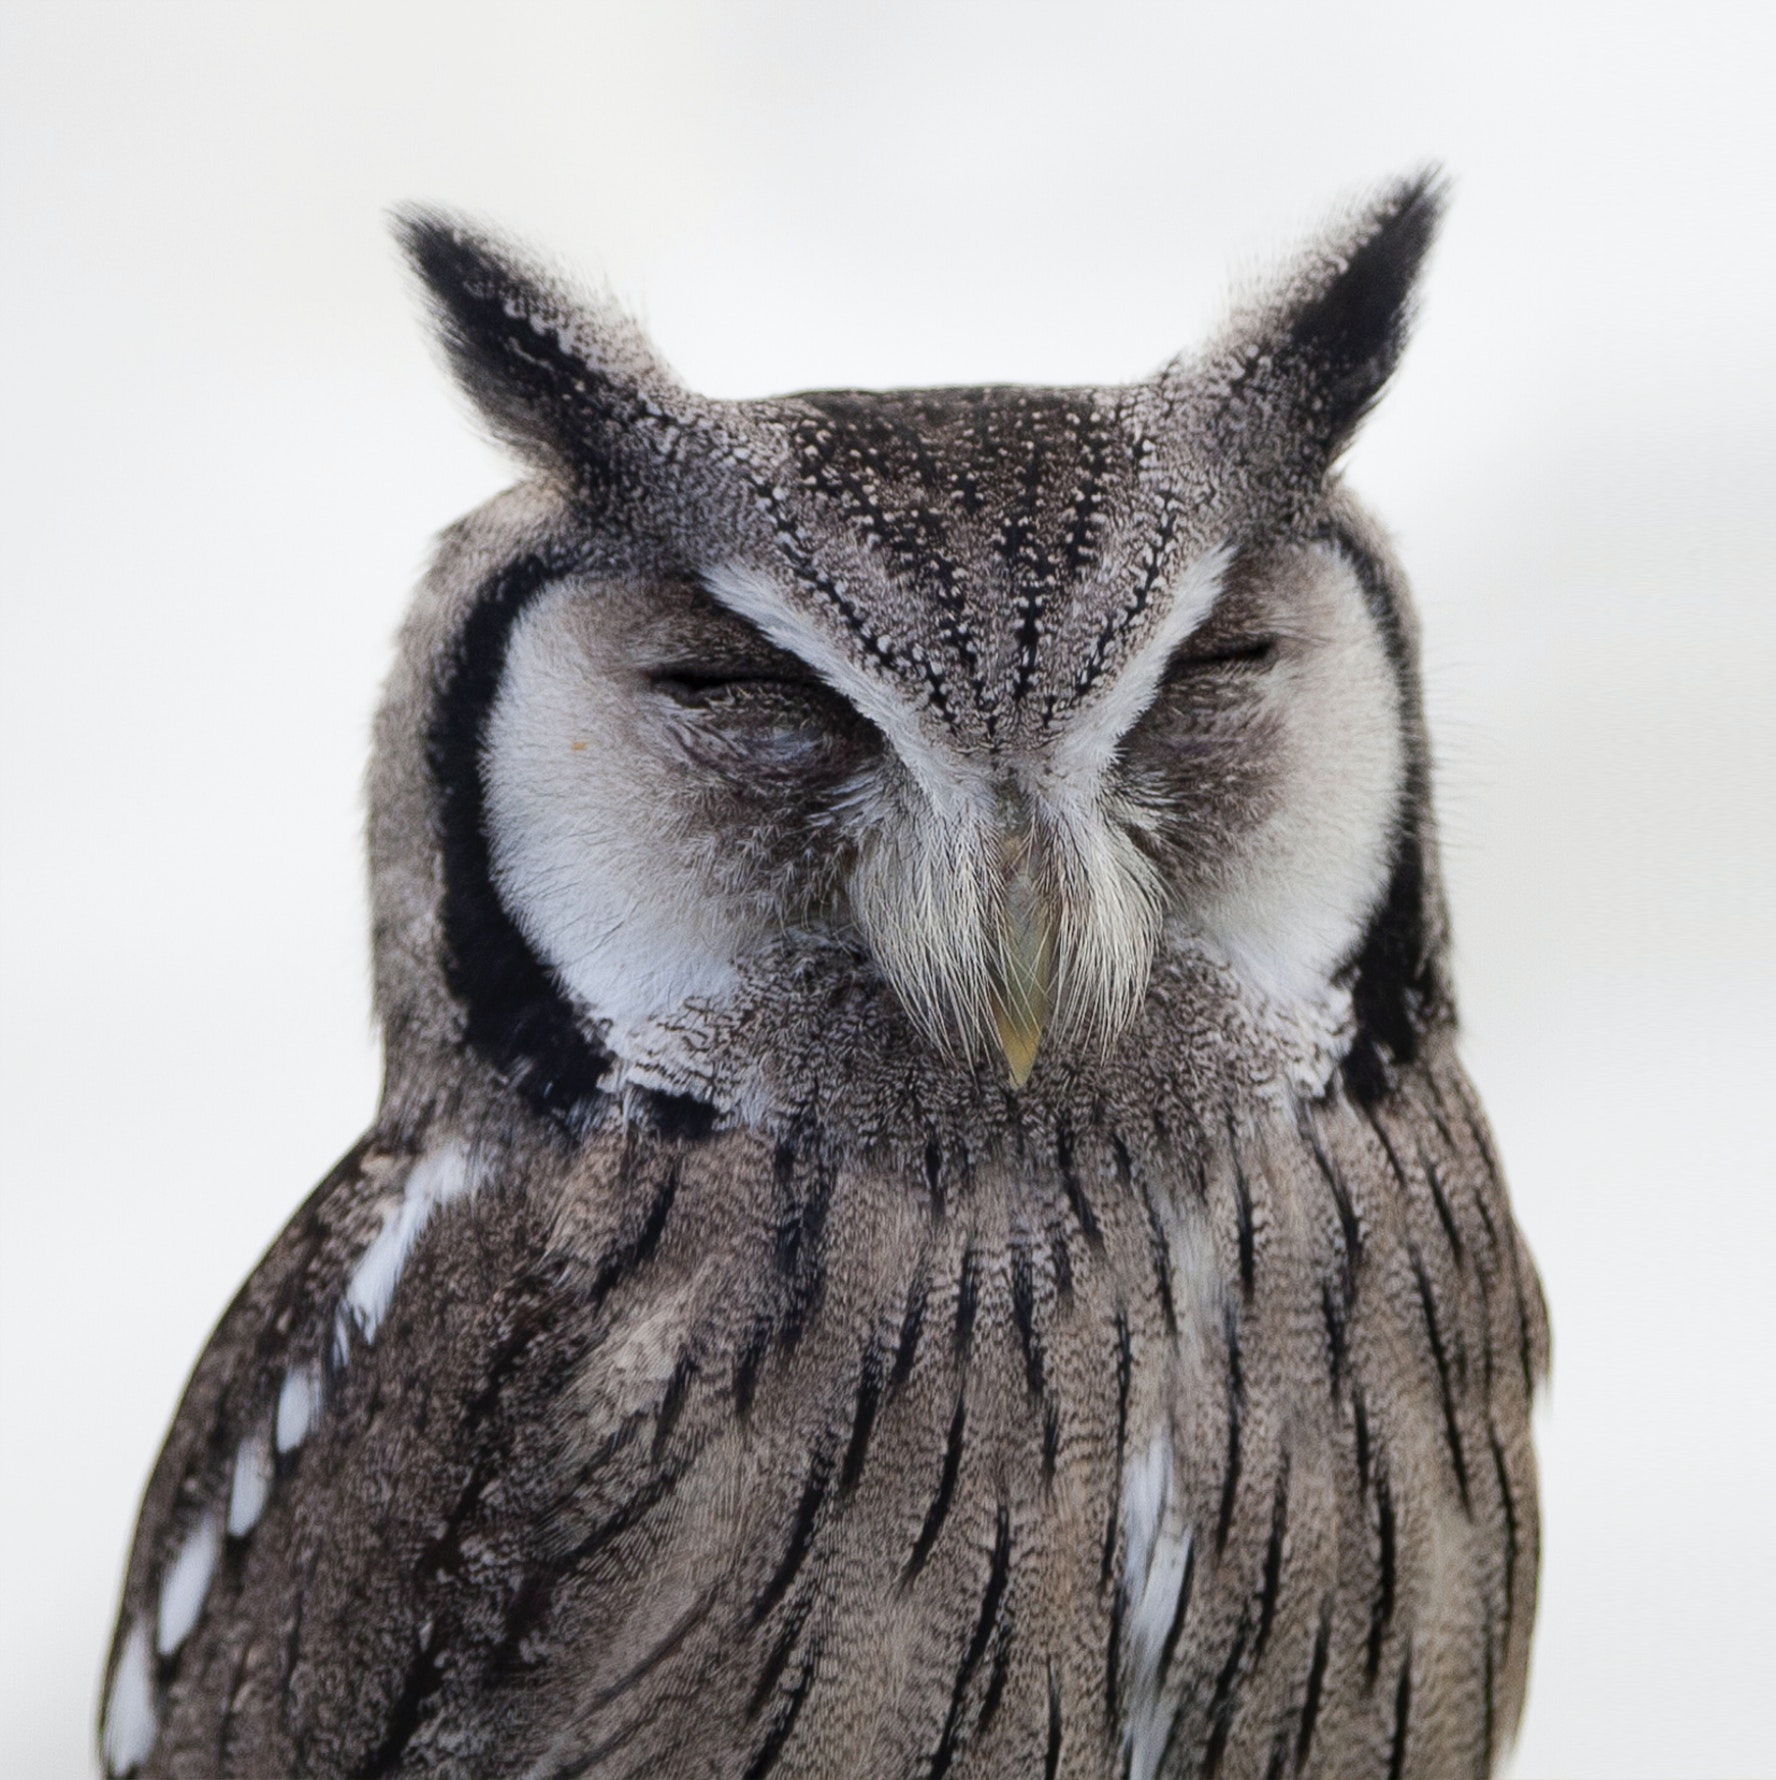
(569, 384)
(1348, 330)
(1296, 370)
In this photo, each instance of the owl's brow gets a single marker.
(1085, 748)
(950, 781)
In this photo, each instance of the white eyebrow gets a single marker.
(950, 782)
(1086, 747)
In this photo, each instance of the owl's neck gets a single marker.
(825, 1045)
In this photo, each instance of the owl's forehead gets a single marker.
(996, 551)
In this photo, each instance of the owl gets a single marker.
(924, 1219)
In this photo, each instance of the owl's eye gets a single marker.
(1223, 653)
(763, 717)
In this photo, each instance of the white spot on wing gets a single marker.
(1158, 1547)
(130, 1718)
(252, 1484)
(435, 1179)
(186, 1583)
(299, 1402)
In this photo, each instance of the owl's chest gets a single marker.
(1096, 1459)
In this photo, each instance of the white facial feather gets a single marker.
(1296, 897)
(1086, 748)
(590, 849)
(954, 786)
(606, 851)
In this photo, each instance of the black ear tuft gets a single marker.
(567, 384)
(1347, 331)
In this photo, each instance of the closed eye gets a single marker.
(691, 684)
(761, 723)
(1236, 652)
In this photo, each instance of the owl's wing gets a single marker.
(362, 1483)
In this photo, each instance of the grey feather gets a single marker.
(763, 1334)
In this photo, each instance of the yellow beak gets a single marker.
(1023, 988)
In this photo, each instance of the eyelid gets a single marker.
(1236, 652)
(697, 678)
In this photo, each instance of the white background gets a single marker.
(226, 446)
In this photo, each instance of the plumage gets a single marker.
(925, 1217)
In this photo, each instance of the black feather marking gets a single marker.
(1525, 1357)
(1316, 1681)
(1396, 987)
(1051, 1761)
(912, 1324)
(423, 1679)
(747, 1365)
(934, 1176)
(1279, 1757)
(515, 1014)
(1440, 1199)
(1060, 1258)
(1360, 1420)
(1075, 1190)
(992, 1601)
(1236, 1410)
(1347, 1217)
(1023, 1311)
(801, 1539)
(1124, 1376)
(622, 1519)
(1051, 1439)
(781, 1650)
(995, 1691)
(1180, 1611)
(1159, 1251)
(1113, 1664)
(863, 1420)
(1273, 1559)
(1439, 1354)
(1402, 1711)
(801, 1239)
(967, 1303)
(939, 1510)
(1242, 1196)
(1224, 1703)
(672, 1401)
(636, 1250)
(1381, 1611)
(1508, 1504)
(1337, 1337)
(526, 1611)
(681, 1118)
(771, 1749)
(1120, 1160)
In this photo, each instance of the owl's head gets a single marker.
(976, 704)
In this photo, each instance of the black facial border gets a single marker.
(516, 1015)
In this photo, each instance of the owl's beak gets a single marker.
(1023, 986)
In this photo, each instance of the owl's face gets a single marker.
(990, 695)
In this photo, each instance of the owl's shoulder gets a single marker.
(383, 1439)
